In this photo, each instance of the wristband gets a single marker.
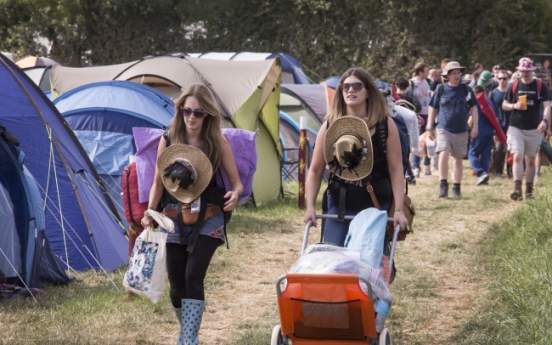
(151, 208)
(399, 210)
(235, 190)
(430, 129)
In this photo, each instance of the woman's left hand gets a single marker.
(233, 196)
(399, 218)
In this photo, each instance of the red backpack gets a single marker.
(134, 209)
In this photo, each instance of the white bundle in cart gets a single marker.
(327, 258)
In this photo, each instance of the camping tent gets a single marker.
(292, 72)
(40, 75)
(102, 116)
(30, 61)
(38, 69)
(313, 98)
(248, 93)
(25, 252)
(81, 221)
(8, 55)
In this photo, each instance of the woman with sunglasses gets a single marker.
(196, 122)
(359, 96)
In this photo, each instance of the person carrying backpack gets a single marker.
(528, 123)
(360, 144)
(452, 102)
(190, 154)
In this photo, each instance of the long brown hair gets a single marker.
(211, 138)
(376, 106)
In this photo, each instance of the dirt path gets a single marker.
(438, 284)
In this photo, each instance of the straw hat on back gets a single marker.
(348, 148)
(185, 171)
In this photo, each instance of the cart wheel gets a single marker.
(385, 337)
(277, 337)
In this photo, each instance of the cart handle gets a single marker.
(281, 278)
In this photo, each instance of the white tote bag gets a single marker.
(145, 275)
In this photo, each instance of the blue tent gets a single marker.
(81, 221)
(102, 116)
(26, 253)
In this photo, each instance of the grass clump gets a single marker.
(517, 257)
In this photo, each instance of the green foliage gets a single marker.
(326, 36)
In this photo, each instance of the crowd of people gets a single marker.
(495, 118)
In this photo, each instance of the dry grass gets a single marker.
(438, 286)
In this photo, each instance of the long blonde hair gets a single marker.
(210, 136)
(376, 106)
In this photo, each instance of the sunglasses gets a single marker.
(502, 78)
(198, 114)
(347, 86)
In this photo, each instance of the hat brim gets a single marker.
(196, 157)
(525, 69)
(462, 69)
(346, 125)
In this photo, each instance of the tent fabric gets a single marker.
(315, 98)
(40, 75)
(34, 61)
(292, 72)
(103, 116)
(247, 91)
(25, 251)
(81, 221)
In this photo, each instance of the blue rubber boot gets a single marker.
(178, 313)
(192, 313)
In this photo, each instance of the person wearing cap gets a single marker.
(452, 103)
(190, 153)
(528, 123)
(486, 80)
(349, 145)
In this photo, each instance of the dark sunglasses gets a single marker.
(198, 114)
(502, 78)
(346, 86)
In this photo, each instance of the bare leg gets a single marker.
(529, 169)
(517, 168)
(458, 169)
(443, 164)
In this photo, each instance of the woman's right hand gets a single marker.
(146, 221)
(310, 214)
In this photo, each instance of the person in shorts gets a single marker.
(528, 123)
(453, 105)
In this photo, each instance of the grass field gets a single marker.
(477, 271)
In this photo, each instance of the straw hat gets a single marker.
(198, 171)
(348, 148)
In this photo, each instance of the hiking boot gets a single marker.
(516, 194)
(443, 193)
(483, 179)
(528, 190)
(456, 191)
(411, 181)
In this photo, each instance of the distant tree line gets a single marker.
(326, 36)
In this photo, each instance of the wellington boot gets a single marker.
(516, 193)
(192, 313)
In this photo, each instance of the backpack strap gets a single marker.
(539, 87)
(440, 90)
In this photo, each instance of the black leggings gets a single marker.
(187, 270)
